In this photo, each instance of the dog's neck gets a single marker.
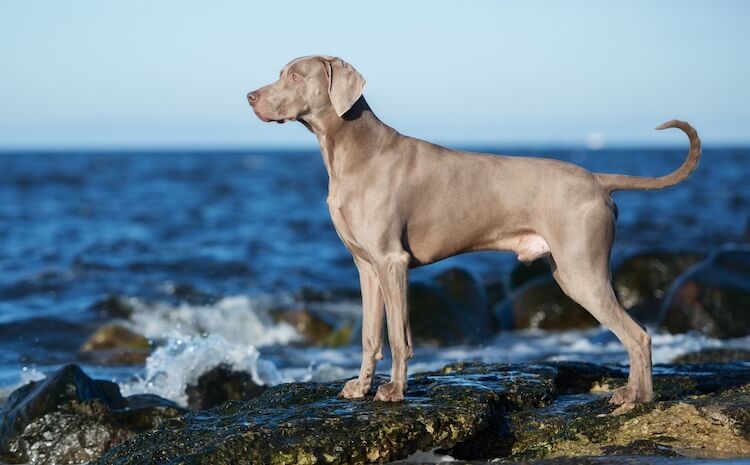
(336, 134)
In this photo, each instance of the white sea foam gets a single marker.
(181, 361)
(238, 319)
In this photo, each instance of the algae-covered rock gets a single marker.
(469, 411)
(306, 423)
(82, 431)
(71, 418)
(700, 410)
(713, 297)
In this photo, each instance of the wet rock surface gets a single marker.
(71, 418)
(473, 412)
(713, 297)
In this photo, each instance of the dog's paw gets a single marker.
(390, 392)
(353, 389)
(627, 395)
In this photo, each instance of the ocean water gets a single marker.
(205, 244)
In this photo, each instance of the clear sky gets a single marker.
(145, 73)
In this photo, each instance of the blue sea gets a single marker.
(203, 244)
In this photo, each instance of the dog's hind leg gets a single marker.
(581, 268)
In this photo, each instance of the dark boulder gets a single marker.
(496, 291)
(219, 385)
(642, 281)
(524, 272)
(71, 418)
(38, 398)
(541, 304)
(452, 308)
(713, 297)
(113, 306)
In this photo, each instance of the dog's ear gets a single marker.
(345, 84)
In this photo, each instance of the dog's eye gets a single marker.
(296, 77)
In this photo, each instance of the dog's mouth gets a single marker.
(267, 119)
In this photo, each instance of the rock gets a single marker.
(465, 291)
(219, 385)
(38, 398)
(710, 421)
(496, 292)
(715, 355)
(115, 344)
(71, 418)
(642, 281)
(541, 304)
(450, 309)
(113, 306)
(431, 316)
(525, 272)
(470, 411)
(318, 326)
(308, 295)
(713, 297)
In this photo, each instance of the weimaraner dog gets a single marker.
(399, 202)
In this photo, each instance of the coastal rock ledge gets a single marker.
(472, 412)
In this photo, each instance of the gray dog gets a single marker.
(399, 202)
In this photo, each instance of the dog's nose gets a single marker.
(252, 97)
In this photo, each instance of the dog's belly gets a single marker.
(429, 248)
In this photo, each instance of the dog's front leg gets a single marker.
(392, 271)
(372, 331)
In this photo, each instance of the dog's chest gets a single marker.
(344, 230)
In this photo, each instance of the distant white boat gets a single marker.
(595, 141)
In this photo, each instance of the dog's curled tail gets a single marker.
(618, 182)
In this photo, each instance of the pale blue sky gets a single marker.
(136, 73)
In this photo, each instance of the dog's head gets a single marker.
(308, 86)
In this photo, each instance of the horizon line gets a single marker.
(314, 147)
